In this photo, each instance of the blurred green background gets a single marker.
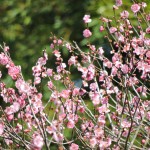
(26, 25)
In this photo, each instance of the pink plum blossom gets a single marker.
(70, 124)
(93, 142)
(125, 68)
(74, 147)
(61, 67)
(99, 132)
(101, 120)
(14, 72)
(59, 41)
(37, 141)
(87, 33)
(144, 4)
(95, 97)
(124, 14)
(93, 86)
(87, 19)
(100, 51)
(50, 84)
(58, 137)
(3, 59)
(56, 53)
(76, 91)
(57, 77)
(1, 128)
(18, 128)
(148, 54)
(49, 72)
(68, 46)
(148, 17)
(37, 80)
(135, 8)
(118, 2)
(22, 86)
(112, 30)
(65, 94)
(148, 30)
(72, 60)
(103, 109)
(125, 124)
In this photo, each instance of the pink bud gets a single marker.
(101, 29)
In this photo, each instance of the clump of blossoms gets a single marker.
(111, 110)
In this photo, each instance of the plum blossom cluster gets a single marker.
(111, 110)
(87, 33)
